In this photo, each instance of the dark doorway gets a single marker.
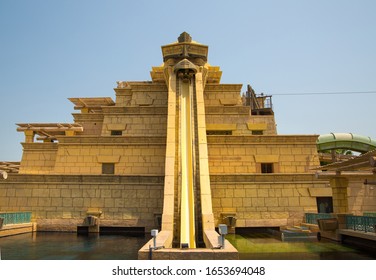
(324, 204)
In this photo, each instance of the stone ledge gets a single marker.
(263, 139)
(164, 238)
(257, 178)
(83, 179)
(119, 140)
(14, 229)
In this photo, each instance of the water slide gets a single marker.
(187, 225)
(347, 141)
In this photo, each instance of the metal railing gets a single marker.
(361, 223)
(311, 218)
(15, 217)
(369, 214)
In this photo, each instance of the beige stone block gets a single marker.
(76, 193)
(287, 192)
(67, 202)
(239, 193)
(279, 215)
(258, 202)
(238, 202)
(96, 202)
(108, 158)
(40, 193)
(229, 193)
(251, 192)
(109, 202)
(33, 201)
(106, 193)
(139, 170)
(247, 202)
(256, 126)
(89, 193)
(266, 158)
(271, 201)
(4, 201)
(21, 201)
(241, 169)
(143, 194)
(307, 201)
(294, 201)
(220, 127)
(320, 191)
(263, 193)
(57, 201)
(77, 202)
(283, 201)
(226, 202)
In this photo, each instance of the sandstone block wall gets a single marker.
(85, 155)
(361, 197)
(266, 201)
(239, 155)
(61, 202)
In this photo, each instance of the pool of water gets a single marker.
(263, 246)
(251, 246)
(70, 246)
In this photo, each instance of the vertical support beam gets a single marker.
(169, 182)
(339, 187)
(29, 136)
(205, 190)
(70, 133)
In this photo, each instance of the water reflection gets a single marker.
(263, 246)
(70, 246)
(251, 246)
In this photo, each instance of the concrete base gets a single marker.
(189, 254)
(358, 234)
(164, 239)
(14, 229)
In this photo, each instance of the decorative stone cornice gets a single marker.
(185, 48)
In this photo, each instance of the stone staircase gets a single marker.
(302, 232)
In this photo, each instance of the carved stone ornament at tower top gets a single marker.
(185, 38)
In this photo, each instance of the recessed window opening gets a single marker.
(219, 132)
(116, 132)
(267, 168)
(108, 168)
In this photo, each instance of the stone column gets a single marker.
(29, 136)
(339, 187)
(169, 182)
(206, 198)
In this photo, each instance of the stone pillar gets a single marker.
(339, 187)
(29, 136)
(206, 198)
(70, 133)
(169, 183)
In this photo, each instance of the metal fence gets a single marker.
(369, 214)
(361, 223)
(311, 218)
(15, 217)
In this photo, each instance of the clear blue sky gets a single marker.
(52, 50)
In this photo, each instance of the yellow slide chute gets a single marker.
(187, 222)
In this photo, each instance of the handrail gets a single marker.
(15, 217)
(369, 214)
(311, 218)
(361, 223)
